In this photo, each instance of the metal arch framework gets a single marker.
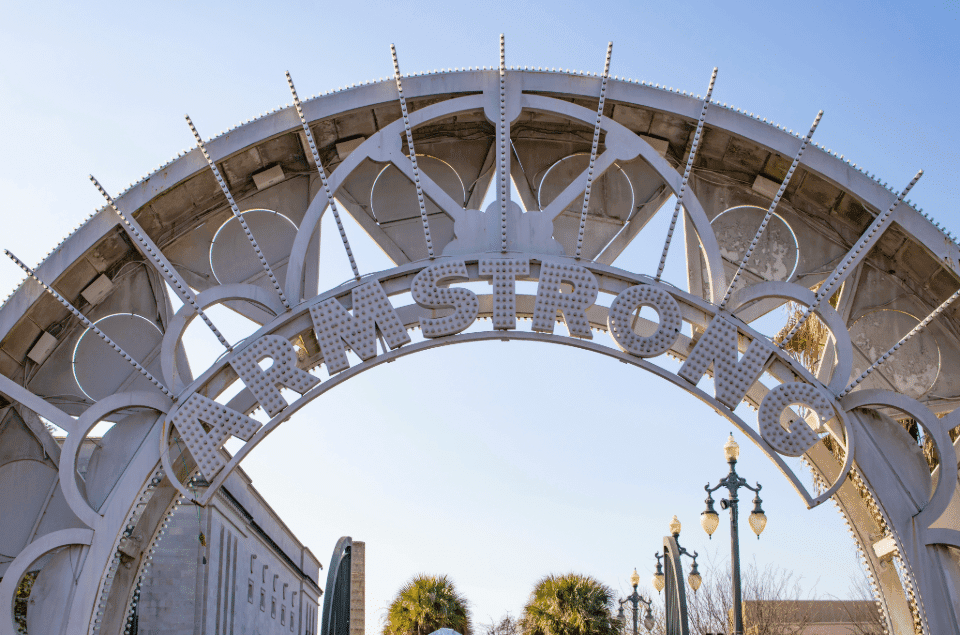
(336, 601)
(868, 466)
(674, 588)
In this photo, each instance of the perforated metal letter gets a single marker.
(731, 378)
(426, 294)
(620, 320)
(205, 425)
(572, 305)
(504, 272)
(800, 437)
(283, 372)
(336, 328)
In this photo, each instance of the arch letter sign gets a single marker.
(410, 160)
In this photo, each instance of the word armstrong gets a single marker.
(206, 425)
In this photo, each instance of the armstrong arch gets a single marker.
(488, 126)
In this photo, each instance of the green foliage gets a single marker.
(425, 604)
(570, 604)
(21, 598)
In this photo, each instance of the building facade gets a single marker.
(812, 617)
(247, 575)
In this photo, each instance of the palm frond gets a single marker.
(425, 604)
(570, 604)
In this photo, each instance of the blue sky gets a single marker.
(524, 459)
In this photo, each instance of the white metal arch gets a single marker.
(924, 537)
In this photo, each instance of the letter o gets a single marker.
(619, 320)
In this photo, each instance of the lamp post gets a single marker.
(635, 599)
(675, 604)
(710, 520)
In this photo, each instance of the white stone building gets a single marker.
(252, 577)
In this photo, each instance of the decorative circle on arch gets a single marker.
(559, 175)
(914, 368)
(777, 253)
(232, 259)
(350, 316)
(97, 369)
(391, 188)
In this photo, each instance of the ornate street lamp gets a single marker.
(694, 579)
(675, 604)
(635, 599)
(710, 521)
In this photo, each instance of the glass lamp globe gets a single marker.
(758, 521)
(675, 526)
(709, 520)
(695, 581)
(648, 620)
(658, 582)
(635, 578)
(730, 449)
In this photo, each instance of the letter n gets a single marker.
(732, 378)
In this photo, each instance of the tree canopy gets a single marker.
(570, 604)
(427, 603)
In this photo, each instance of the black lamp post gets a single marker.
(710, 520)
(636, 599)
(694, 579)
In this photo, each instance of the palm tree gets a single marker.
(427, 603)
(570, 604)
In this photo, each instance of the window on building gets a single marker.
(250, 591)
(283, 615)
(263, 600)
(273, 608)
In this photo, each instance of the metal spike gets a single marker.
(686, 174)
(152, 252)
(413, 153)
(236, 212)
(90, 325)
(769, 214)
(593, 150)
(323, 177)
(502, 150)
(856, 253)
(919, 327)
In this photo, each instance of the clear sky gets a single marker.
(494, 463)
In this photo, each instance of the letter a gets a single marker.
(205, 425)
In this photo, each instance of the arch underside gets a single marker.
(903, 513)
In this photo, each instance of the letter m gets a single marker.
(336, 329)
(732, 378)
